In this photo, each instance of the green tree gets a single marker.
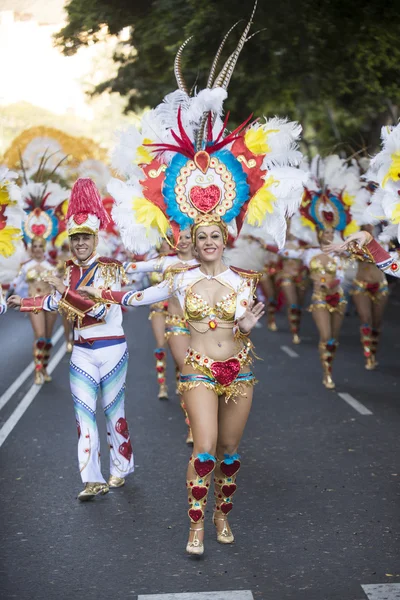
(332, 64)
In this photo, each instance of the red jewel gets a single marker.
(240, 356)
(394, 266)
(191, 483)
(198, 356)
(206, 360)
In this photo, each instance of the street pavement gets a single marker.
(315, 516)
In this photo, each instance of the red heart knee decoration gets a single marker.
(195, 514)
(226, 371)
(203, 468)
(199, 491)
(228, 490)
(226, 507)
(231, 469)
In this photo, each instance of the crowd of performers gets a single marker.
(202, 225)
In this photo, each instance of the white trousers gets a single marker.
(101, 370)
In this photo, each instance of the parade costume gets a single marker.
(11, 216)
(100, 356)
(327, 206)
(183, 170)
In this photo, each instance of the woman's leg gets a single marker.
(158, 327)
(326, 346)
(294, 309)
(364, 306)
(202, 407)
(232, 419)
(178, 345)
(39, 333)
(378, 310)
(49, 321)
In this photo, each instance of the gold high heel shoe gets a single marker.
(47, 378)
(39, 377)
(189, 439)
(195, 547)
(225, 536)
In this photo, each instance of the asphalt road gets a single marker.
(317, 509)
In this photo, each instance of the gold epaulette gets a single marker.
(177, 269)
(247, 274)
(112, 270)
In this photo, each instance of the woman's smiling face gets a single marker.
(209, 243)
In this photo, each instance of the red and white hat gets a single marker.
(86, 213)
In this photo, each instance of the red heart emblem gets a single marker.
(121, 426)
(195, 514)
(226, 507)
(205, 199)
(38, 229)
(159, 355)
(328, 216)
(225, 372)
(203, 468)
(125, 450)
(228, 490)
(199, 491)
(80, 218)
(230, 470)
(333, 299)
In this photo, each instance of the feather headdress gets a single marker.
(182, 169)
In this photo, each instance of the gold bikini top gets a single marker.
(36, 274)
(197, 309)
(316, 266)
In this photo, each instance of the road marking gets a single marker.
(25, 373)
(28, 398)
(289, 352)
(237, 595)
(382, 591)
(360, 408)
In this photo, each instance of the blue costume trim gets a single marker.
(96, 344)
(205, 456)
(229, 459)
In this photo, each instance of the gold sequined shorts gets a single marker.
(158, 309)
(175, 325)
(374, 291)
(333, 302)
(222, 377)
(300, 281)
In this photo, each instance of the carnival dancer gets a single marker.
(203, 180)
(326, 209)
(176, 330)
(40, 197)
(100, 356)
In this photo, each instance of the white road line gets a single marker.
(382, 591)
(9, 393)
(360, 408)
(289, 352)
(236, 595)
(28, 398)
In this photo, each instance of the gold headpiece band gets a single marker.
(206, 221)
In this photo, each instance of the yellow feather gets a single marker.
(149, 215)
(261, 203)
(394, 169)
(307, 223)
(256, 140)
(352, 227)
(396, 214)
(143, 156)
(347, 199)
(8, 237)
(4, 196)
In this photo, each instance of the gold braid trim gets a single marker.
(72, 313)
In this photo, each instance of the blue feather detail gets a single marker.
(234, 167)
(240, 179)
(229, 459)
(171, 174)
(341, 225)
(205, 456)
